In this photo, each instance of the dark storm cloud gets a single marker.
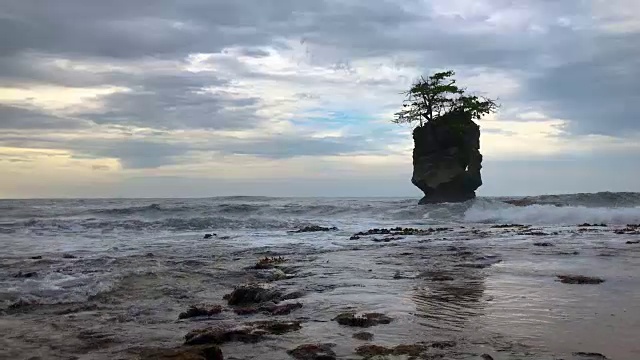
(132, 29)
(131, 153)
(144, 153)
(599, 93)
(14, 117)
(590, 90)
(135, 154)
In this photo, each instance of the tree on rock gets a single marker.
(438, 95)
(446, 153)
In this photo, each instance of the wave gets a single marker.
(600, 199)
(500, 213)
(172, 223)
(287, 213)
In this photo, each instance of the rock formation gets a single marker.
(447, 159)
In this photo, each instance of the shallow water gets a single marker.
(491, 290)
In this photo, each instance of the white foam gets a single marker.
(549, 214)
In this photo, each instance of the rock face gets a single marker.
(447, 159)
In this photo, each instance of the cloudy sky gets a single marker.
(294, 97)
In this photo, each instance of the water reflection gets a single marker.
(451, 292)
(449, 305)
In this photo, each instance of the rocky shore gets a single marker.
(382, 293)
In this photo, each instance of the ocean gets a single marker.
(108, 278)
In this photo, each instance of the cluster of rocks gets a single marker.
(372, 351)
(399, 231)
(579, 279)
(364, 320)
(25, 275)
(314, 228)
(269, 262)
(509, 226)
(313, 352)
(631, 229)
(251, 332)
(543, 244)
(206, 352)
(253, 294)
(251, 299)
(200, 310)
(245, 299)
(387, 239)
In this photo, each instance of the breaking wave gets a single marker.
(285, 213)
(550, 214)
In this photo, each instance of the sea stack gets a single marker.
(447, 159)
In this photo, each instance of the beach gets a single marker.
(109, 278)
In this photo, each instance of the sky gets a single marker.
(197, 98)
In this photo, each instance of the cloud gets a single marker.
(521, 39)
(14, 117)
(178, 83)
(176, 101)
(595, 93)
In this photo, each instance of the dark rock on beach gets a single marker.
(543, 244)
(590, 356)
(398, 231)
(364, 336)
(387, 239)
(25, 275)
(207, 352)
(69, 256)
(579, 279)
(313, 352)
(39, 257)
(269, 262)
(277, 327)
(365, 320)
(375, 351)
(248, 333)
(631, 229)
(369, 351)
(200, 310)
(314, 228)
(443, 344)
(567, 253)
(271, 309)
(209, 236)
(507, 226)
(253, 294)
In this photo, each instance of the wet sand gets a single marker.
(479, 290)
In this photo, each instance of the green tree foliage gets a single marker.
(433, 97)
